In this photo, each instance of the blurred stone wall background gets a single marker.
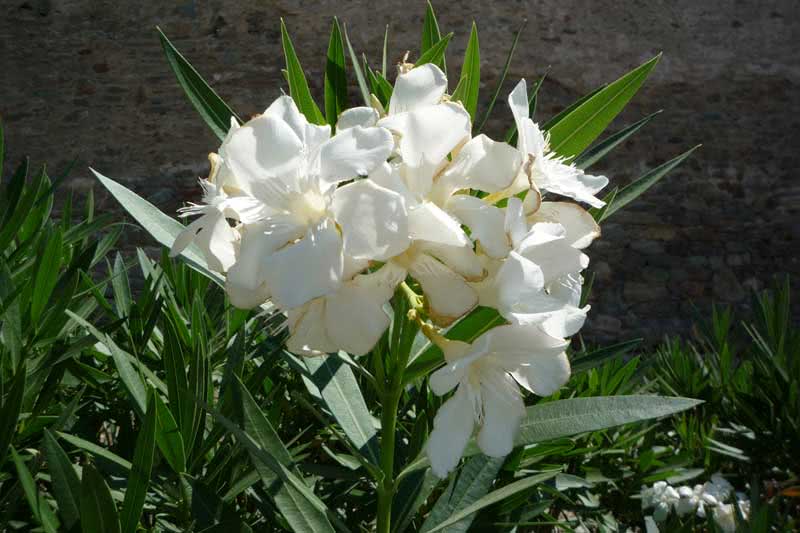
(87, 78)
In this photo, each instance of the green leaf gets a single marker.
(435, 53)
(298, 86)
(384, 63)
(22, 199)
(168, 437)
(412, 492)
(9, 414)
(629, 193)
(467, 92)
(139, 479)
(211, 107)
(576, 131)
(47, 272)
(339, 389)
(66, 484)
(40, 508)
(596, 153)
(121, 287)
(564, 418)
(494, 497)
(362, 80)
(471, 483)
(304, 511)
(503, 75)
(259, 427)
(335, 76)
(98, 512)
(95, 450)
(601, 355)
(161, 227)
(431, 35)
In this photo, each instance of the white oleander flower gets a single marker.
(661, 497)
(725, 514)
(487, 375)
(539, 281)
(295, 251)
(436, 159)
(545, 170)
(350, 319)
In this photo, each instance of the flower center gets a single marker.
(308, 206)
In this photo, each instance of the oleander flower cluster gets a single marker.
(325, 224)
(715, 497)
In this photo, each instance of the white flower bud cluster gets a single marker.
(663, 498)
(326, 224)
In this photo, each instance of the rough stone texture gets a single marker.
(87, 78)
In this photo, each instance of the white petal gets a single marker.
(217, 241)
(354, 318)
(311, 135)
(503, 410)
(486, 223)
(518, 102)
(511, 345)
(187, 235)
(420, 86)
(515, 225)
(452, 428)
(388, 176)
(460, 259)
(307, 328)
(483, 164)
(544, 373)
(373, 219)
(357, 116)
(263, 153)
(567, 180)
(531, 139)
(428, 222)
(429, 133)
(547, 246)
(307, 269)
(447, 294)
(245, 281)
(354, 152)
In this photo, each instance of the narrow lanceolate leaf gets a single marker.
(95, 450)
(98, 512)
(601, 355)
(471, 483)
(596, 153)
(211, 107)
(161, 227)
(576, 131)
(339, 389)
(384, 66)
(66, 484)
(335, 77)
(492, 498)
(298, 86)
(139, 479)
(46, 274)
(168, 437)
(564, 418)
(301, 508)
(40, 507)
(258, 426)
(360, 77)
(431, 35)
(467, 92)
(629, 193)
(412, 492)
(502, 78)
(435, 53)
(9, 413)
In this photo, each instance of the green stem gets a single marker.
(386, 488)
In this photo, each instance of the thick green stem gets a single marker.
(386, 488)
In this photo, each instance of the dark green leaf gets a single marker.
(143, 456)
(576, 131)
(98, 512)
(339, 389)
(467, 92)
(502, 78)
(95, 450)
(66, 484)
(335, 76)
(362, 80)
(298, 86)
(431, 35)
(470, 484)
(596, 153)
(211, 107)
(632, 191)
(9, 414)
(168, 437)
(40, 508)
(435, 53)
(601, 355)
(494, 497)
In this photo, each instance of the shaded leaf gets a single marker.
(66, 484)
(143, 456)
(335, 76)
(98, 512)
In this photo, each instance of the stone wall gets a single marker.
(87, 78)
